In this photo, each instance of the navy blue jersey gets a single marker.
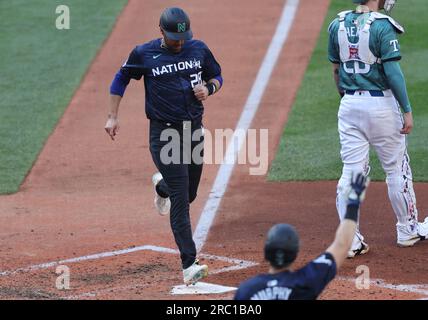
(169, 78)
(304, 284)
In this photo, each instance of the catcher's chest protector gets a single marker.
(360, 51)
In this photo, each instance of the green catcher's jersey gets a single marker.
(383, 43)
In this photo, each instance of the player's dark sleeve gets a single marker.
(119, 84)
(239, 295)
(318, 273)
(245, 290)
(131, 69)
(212, 68)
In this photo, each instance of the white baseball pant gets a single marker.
(366, 121)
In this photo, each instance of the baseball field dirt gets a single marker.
(87, 204)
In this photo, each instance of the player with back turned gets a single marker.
(364, 51)
(179, 73)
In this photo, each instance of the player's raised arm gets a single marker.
(346, 230)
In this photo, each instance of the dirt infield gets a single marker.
(87, 195)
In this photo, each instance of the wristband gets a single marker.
(211, 88)
(352, 212)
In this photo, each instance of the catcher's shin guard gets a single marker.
(402, 195)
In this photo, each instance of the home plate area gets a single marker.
(201, 288)
(146, 272)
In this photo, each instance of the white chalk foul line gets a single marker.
(412, 288)
(247, 116)
(237, 264)
(77, 259)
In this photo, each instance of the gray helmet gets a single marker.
(176, 24)
(282, 245)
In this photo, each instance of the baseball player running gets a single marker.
(365, 53)
(179, 73)
(282, 246)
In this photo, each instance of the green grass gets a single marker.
(40, 68)
(309, 148)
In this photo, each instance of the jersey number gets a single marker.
(357, 68)
(196, 79)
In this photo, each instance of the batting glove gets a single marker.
(358, 188)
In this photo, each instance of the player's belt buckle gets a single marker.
(362, 93)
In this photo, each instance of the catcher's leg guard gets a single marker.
(402, 196)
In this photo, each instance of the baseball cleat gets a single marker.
(363, 249)
(194, 273)
(410, 242)
(423, 228)
(406, 239)
(163, 205)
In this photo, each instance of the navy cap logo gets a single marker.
(181, 27)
